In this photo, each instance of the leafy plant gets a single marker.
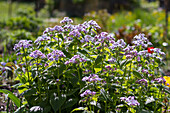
(74, 68)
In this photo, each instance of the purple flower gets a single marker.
(48, 30)
(66, 20)
(92, 78)
(112, 60)
(3, 63)
(22, 44)
(94, 25)
(37, 54)
(160, 80)
(55, 55)
(75, 33)
(138, 59)
(46, 64)
(75, 60)
(145, 71)
(141, 40)
(59, 29)
(130, 101)
(143, 81)
(88, 93)
(41, 38)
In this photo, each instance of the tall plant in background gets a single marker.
(74, 67)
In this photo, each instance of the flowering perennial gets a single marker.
(37, 54)
(130, 101)
(55, 55)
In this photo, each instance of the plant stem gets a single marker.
(38, 79)
(8, 104)
(58, 43)
(105, 106)
(58, 87)
(27, 66)
(129, 78)
(78, 69)
(102, 55)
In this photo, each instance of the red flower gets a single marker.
(150, 50)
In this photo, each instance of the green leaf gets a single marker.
(29, 92)
(70, 102)
(97, 70)
(33, 74)
(52, 44)
(61, 36)
(167, 91)
(103, 93)
(84, 51)
(56, 102)
(68, 55)
(80, 109)
(124, 62)
(72, 91)
(119, 71)
(12, 97)
(98, 59)
(51, 68)
(139, 76)
(47, 109)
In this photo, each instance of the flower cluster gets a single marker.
(55, 55)
(94, 25)
(142, 81)
(37, 54)
(75, 33)
(88, 93)
(160, 80)
(75, 60)
(22, 44)
(120, 43)
(130, 101)
(66, 20)
(42, 38)
(92, 78)
(141, 40)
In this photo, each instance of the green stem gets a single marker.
(75, 49)
(27, 66)
(105, 106)
(8, 104)
(102, 55)
(129, 78)
(78, 69)
(38, 79)
(58, 87)
(58, 43)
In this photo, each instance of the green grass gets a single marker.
(16, 6)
